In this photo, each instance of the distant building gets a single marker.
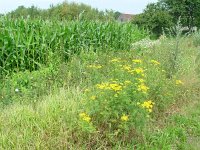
(125, 17)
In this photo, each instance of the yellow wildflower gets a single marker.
(179, 82)
(82, 114)
(148, 105)
(137, 61)
(103, 86)
(116, 60)
(150, 110)
(155, 62)
(143, 88)
(127, 67)
(115, 87)
(93, 97)
(95, 66)
(124, 118)
(139, 70)
(85, 117)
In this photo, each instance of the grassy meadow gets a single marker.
(92, 85)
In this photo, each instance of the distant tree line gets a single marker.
(64, 11)
(166, 13)
(156, 17)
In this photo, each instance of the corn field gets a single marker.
(27, 44)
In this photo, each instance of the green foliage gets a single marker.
(80, 113)
(158, 17)
(125, 93)
(64, 11)
(188, 10)
(26, 87)
(28, 44)
(155, 18)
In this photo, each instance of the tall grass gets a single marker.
(27, 44)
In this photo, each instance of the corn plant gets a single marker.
(27, 44)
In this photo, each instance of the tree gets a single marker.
(155, 18)
(187, 10)
(117, 14)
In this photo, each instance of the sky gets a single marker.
(123, 6)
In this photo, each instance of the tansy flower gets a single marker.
(82, 114)
(148, 105)
(155, 62)
(137, 61)
(139, 70)
(85, 117)
(93, 97)
(95, 66)
(102, 86)
(116, 60)
(124, 118)
(179, 82)
(143, 88)
(115, 87)
(127, 67)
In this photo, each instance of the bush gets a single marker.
(127, 93)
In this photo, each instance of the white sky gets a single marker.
(124, 6)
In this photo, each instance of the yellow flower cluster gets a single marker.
(103, 86)
(109, 86)
(127, 67)
(124, 118)
(95, 66)
(139, 70)
(93, 97)
(133, 71)
(85, 117)
(143, 88)
(179, 82)
(116, 60)
(148, 105)
(155, 62)
(137, 61)
(116, 87)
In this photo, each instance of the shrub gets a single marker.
(122, 103)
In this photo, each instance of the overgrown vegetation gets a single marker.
(103, 100)
(157, 17)
(83, 84)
